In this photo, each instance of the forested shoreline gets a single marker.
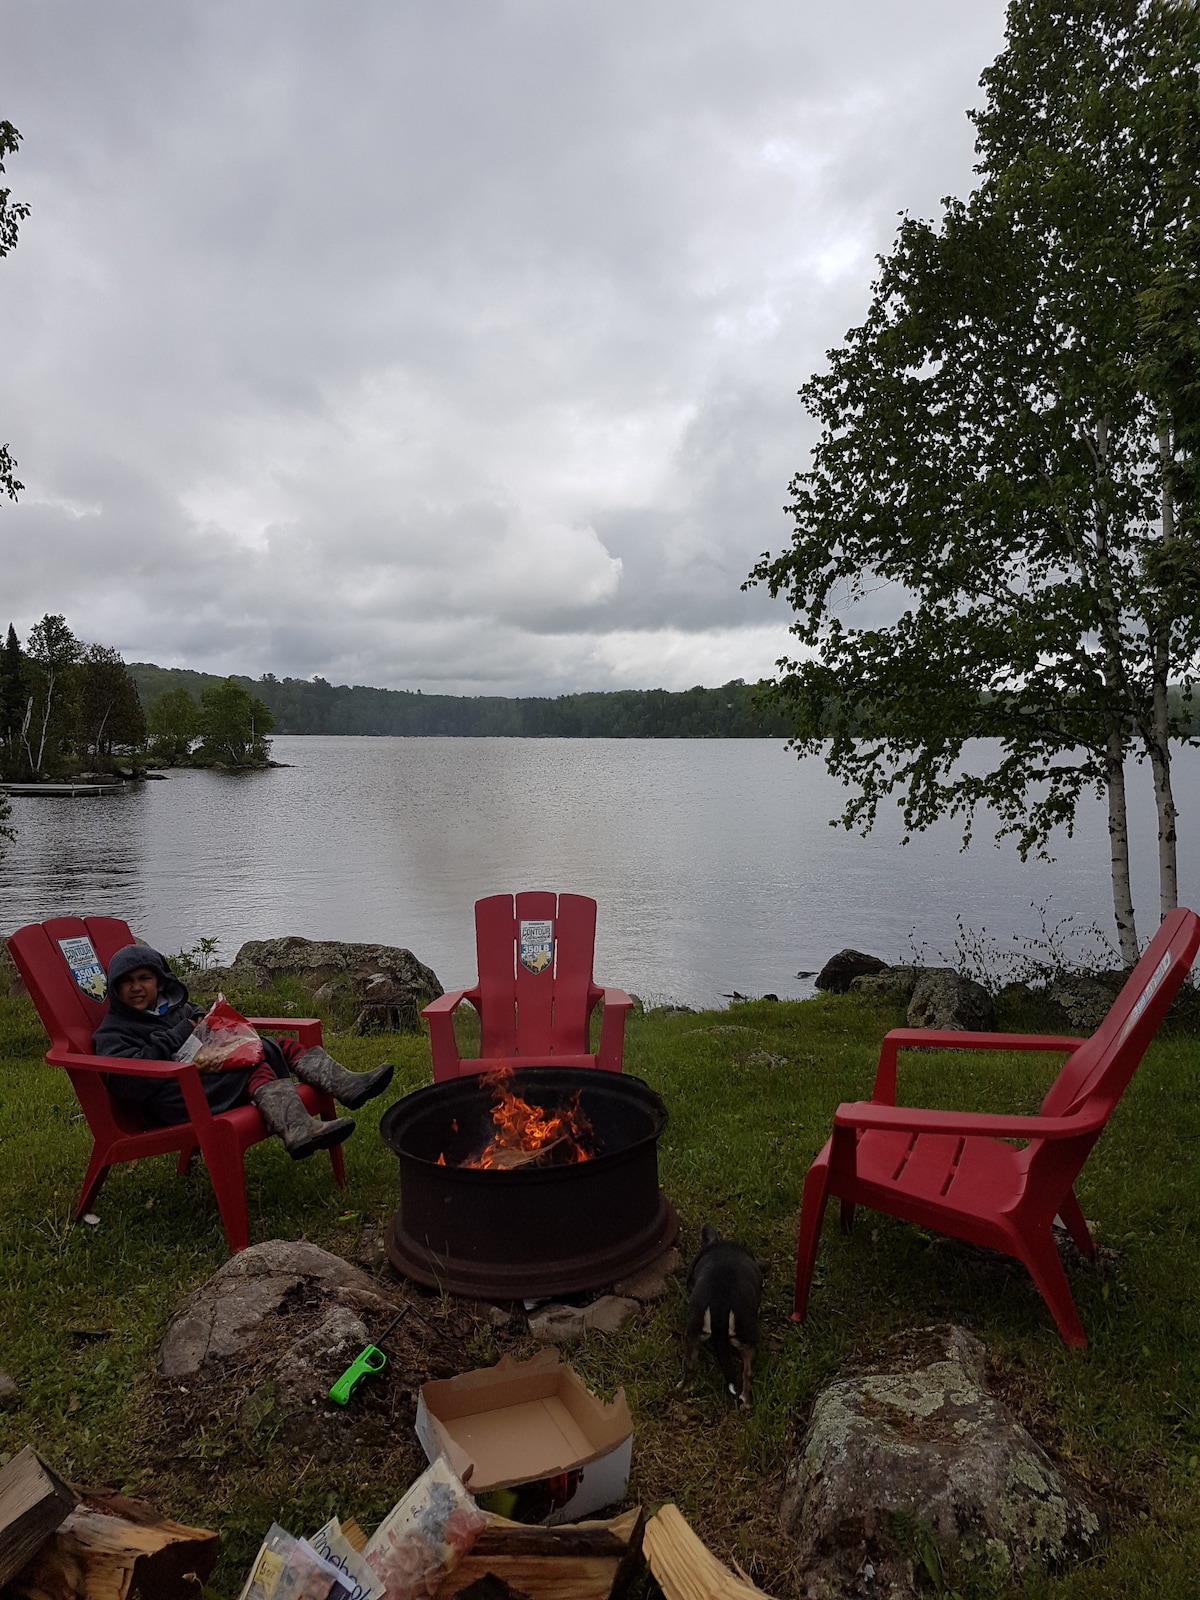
(302, 706)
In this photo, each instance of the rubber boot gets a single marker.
(318, 1069)
(286, 1116)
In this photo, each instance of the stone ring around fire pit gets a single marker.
(540, 1227)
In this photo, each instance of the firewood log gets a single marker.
(33, 1502)
(684, 1567)
(108, 1545)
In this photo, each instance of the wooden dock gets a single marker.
(65, 791)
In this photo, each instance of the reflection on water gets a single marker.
(712, 860)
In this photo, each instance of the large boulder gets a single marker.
(226, 1315)
(375, 987)
(943, 998)
(840, 970)
(919, 1441)
(892, 986)
(1086, 1001)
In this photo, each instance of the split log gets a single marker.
(33, 1502)
(684, 1567)
(575, 1561)
(108, 1546)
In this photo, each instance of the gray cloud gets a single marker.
(451, 346)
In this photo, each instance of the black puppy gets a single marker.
(724, 1288)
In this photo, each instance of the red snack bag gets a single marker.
(223, 1041)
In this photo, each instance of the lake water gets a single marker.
(712, 860)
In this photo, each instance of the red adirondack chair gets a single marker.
(535, 992)
(70, 1015)
(955, 1173)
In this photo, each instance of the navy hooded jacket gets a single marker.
(156, 1036)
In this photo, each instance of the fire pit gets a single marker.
(577, 1211)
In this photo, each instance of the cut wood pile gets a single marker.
(58, 1542)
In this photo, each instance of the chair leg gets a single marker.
(98, 1169)
(228, 1177)
(812, 1214)
(1072, 1216)
(1040, 1255)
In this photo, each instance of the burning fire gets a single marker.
(525, 1132)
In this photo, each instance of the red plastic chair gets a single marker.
(70, 1016)
(535, 992)
(953, 1172)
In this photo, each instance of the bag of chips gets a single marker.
(222, 1041)
(425, 1536)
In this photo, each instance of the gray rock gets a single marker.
(555, 1322)
(608, 1313)
(10, 1395)
(943, 998)
(605, 1315)
(920, 1438)
(381, 985)
(1086, 1001)
(652, 1281)
(223, 1317)
(308, 1367)
(838, 972)
(498, 1317)
(892, 986)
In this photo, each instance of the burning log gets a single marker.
(527, 1134)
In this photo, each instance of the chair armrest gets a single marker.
(866, 1115)
(129, 1066)
(306, 1029)
(185, 1073)
(443, 1046)
(617, 1006)
(445, 1003)
(884, 1092)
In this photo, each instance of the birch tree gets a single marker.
(52, 652)
(1005, 469)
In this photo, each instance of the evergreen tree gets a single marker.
(108, 709)
(14, 701)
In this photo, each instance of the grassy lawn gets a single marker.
(751, 1094)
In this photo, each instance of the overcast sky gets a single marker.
(449, 344)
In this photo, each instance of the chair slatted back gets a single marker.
(1099, 1071)
(69, 1015)
(535, 982)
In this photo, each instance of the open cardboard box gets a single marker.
(520, 1425)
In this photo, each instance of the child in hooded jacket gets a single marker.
(150, 1016)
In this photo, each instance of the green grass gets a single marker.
(743, 1129)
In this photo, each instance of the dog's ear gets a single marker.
(708, 1235)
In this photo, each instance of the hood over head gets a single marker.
(132, 956)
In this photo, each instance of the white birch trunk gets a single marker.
(1158, 742)
(1118, 838)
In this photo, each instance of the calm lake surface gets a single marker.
(712, 860)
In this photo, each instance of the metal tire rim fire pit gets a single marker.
(539, 1230)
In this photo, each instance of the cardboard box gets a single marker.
(521, 1424)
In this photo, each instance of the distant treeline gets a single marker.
(303, 706)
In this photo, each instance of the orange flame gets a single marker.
(522, 1128)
